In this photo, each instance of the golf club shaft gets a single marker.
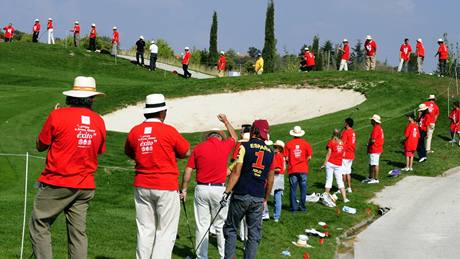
(188, 223)
(209, 228)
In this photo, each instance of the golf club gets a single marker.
(209, 228)
(188, 224)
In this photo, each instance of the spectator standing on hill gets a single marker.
(420, 52)
(76, 34)
(74, 136)
(298, 153)
(411, 135)
(433, 112)
(140, 48)
(349, 143)
(259, 66)
(186, 62)
(50, 29)
(443, 55)
(115, 41)
(36, 30)
(153, 55)
(404, 53)
(424, 121)
(92, 37)
(9, 32)
(221, 64)
(155, 147)
(375, 149)
(279, 164)
(309, 60)
(454, 117)
(209, 159)
(371, 48)
(345, 55)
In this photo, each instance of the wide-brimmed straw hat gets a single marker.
(297, 131)
(422, 107)
(376, 118)
(154, 103)
(301, 241)
(83, 87)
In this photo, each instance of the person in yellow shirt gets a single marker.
(259, 66)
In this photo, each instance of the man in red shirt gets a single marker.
(36, 30)
(186, 62)
(349, 142)
(9, 32)
(345, 55)
(412, 135)
(115, 41)
(424, 121)
(92, 37)
(309, 61)
(221, 64)
(420, 52)
(76, 34)
(375, 149)
(404, 53)
(443, 55)
(433, 112)
(74, 136)
(50, 29)
(298, 153)
(371, 48)
(209, 159)
(155, 147)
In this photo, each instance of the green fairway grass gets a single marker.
(34, 75)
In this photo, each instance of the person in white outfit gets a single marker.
(345, 50)
(50, 29)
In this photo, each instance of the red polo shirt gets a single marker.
(420, 50)
(92, 33)
(378, 137)
(36, 27)
(405, 51)
(9, 32)
(210, 158)
(336, 152)
(443, 52)
(222, 63)
(371, 48)
(155, 146)
(349, 142)
(76, 29)
(186, 58)
(279, 162)
(346, 52)
(412, 135)
(433, 108)
(116, 37)
(75, 136)
(297, 152)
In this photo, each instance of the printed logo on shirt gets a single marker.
(148, 130)
(85, 120)
(297, 151)
(146, 143)
(84, 135)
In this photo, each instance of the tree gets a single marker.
(253, 51)
(213, 55)
(269, 50)
(327, 53)
(316, 51)
(164, 50)
(357, 56)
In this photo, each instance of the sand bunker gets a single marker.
(278, 105)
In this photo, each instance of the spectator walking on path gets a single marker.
(375, 149)
(259, 66)
(454, 117)
(9, 32)
(349, 143)
(155, 147)
(221, 64)
(50, 29)
(420, 52)
(333, 164)
(115, 41)
(404, 53)
(309, 60)
(140, 48)
(443, 55)
(92, 37)
(279, 165)
(424, 121)
(36, 30)
(76, 34)
(433, 113)
(345, 55)
(185, 62)
(209, 159)
(411, 135)
(298, 153)
(251, 183)
(371, 48)
(74, 136)
(153, 55)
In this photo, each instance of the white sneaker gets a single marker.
(349, 190)
(405, 169)
(346, 201)
(373, 181)
(452, 141)
(423, 159)
(411, 169)
(366, 180)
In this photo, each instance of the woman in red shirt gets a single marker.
(333, 164)
(412, 135)
(424, 120)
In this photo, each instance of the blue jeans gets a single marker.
(251, 208)
(301, 180)
(278, 203)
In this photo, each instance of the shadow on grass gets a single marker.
(104, 257)
(396, 164)
(444, 137)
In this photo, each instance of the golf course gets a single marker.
(35, 75)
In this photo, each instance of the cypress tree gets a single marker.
(213, 55)
(269, 51)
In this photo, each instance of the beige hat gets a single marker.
(376, 118)
(279, 143)
(301, 241)
(154, 103)
(83, 87)
(431, 97)
(422, 107)
(297, 131)
(246, 137)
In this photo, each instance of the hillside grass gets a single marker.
(33, 77)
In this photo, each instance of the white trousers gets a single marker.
(429, 136)
(334, 170)
(343, 65)
(206, 206)
(157, 219)
(402, 63)
(50, 36)
(420, 64)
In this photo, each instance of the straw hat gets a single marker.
(297, 131)
(154, 103)
(246, 137)
(376, 118)
(279, 143)
(83, 87)
(301, 241)
(422, 107)
(431, 97)
(215, 131)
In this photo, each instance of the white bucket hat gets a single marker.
(376, 118)
(431, 97)
(297, 131)
(422, 107)
(83, 87)
(301, 241)
(246, 137)
(279, 143)
(368, 37)
(154, 103)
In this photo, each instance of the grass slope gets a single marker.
(33, 77)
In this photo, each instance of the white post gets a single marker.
(25, 205)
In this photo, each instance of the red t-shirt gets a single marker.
(92, 33)
(116, 37)
(49, 25)
(297, 152)
(235, 152)
(371, 48)
(405, 51)
(420, 49)
(76, 29)
(425, 121)
(309, 59)
(336, 152)
(9, 32)
(433, 108)
(75, 136)
(412, 135)
(222, 63)
(443, 52)
(186, 58)
(454, 116)
(279, 162)
(210, 158)
(36, 27)
(349, 143)
(378, 137)
(346, 52)
(155, 146)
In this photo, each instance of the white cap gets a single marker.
(419, 40)
(440, 40)
(76, 22)
(422, 107)
(222, 52)
(345, 40)
(297, 131)
(376, 118)
(431, 97)
(187, 48)
(93, 25)
(37, 20)
(114, 28)
(306, 48)
(368, 37)
(153, 42)
(83, 87)
(50, 19)
(154, 103)
(141, 37)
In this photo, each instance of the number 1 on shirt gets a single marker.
(260, 158)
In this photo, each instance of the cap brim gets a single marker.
(81, 94)
(299, 245)
(154, 110)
